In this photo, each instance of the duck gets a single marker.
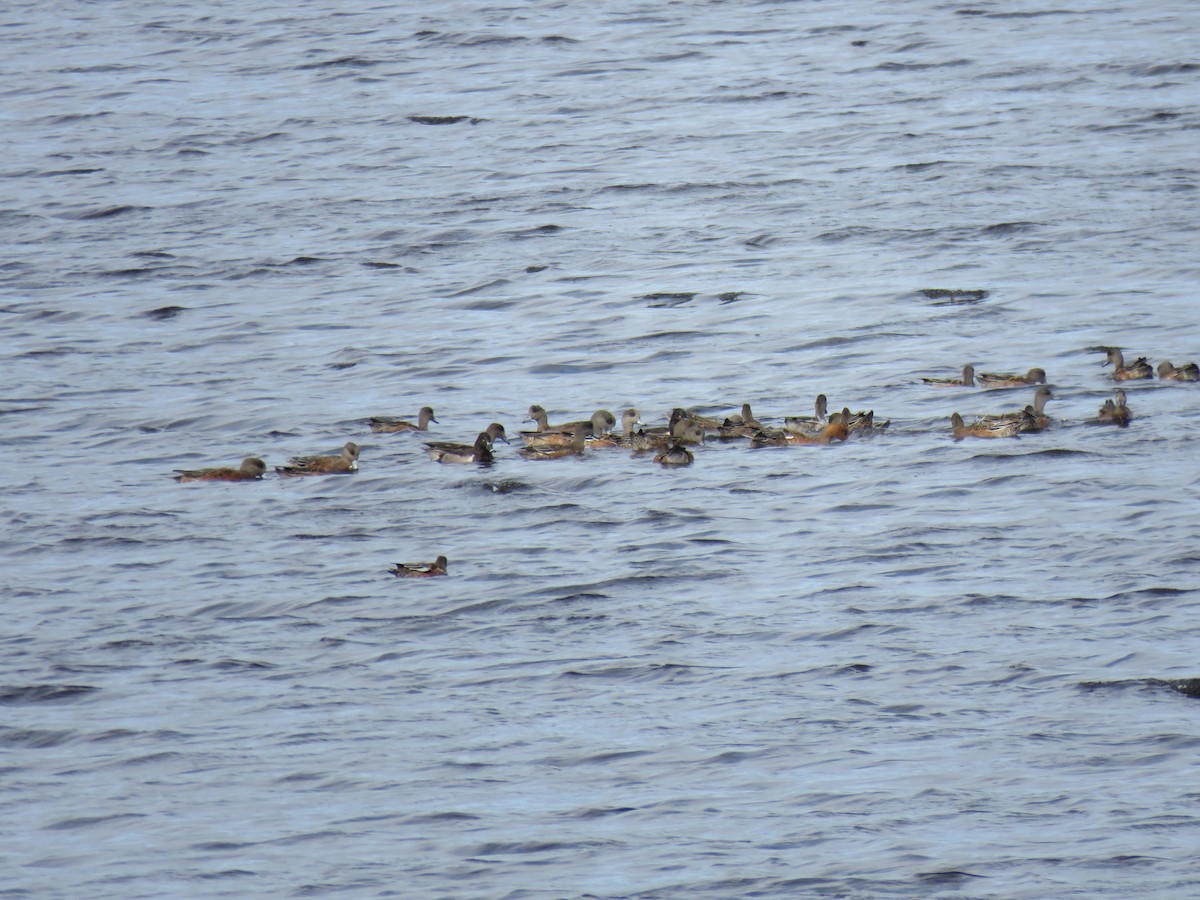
(709, 423)
(1137, 370)
(630, 419)
(1187, 372)
(1032, 418)
(1033, 376)
(836, 429)
(967, 380)
(574, 447)
(419, 570)
(984, 429)
(675, 455)
(251, 469)
(809, 424)
(390, 425)
(562, 435)
(684, 432)
(479, 452)
(600, 422)
(345, 463)
(1116, 411)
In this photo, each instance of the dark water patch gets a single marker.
(948, 877)
(56, 173)
(1003, 229)
(44, 693)
(525, 848)
(600, 813)
(663, 299)
(90, 821)
(954, 296)
(32, 738)
(341, 62)
(105, 212)
(534, 232)
(653, 672)
(922, 67)
(443, 120)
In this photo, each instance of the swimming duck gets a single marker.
(419, 570)
(684, 432)
(251, 469)
(1032, 418)
(1033, 376)
(836, 429)
(1115, 412)
(344, 463)
(479, 452)
(1137, 370)
(809, 424)
(675, 455)
(982, 429)
(630, 419)
(600, 422)
(390, 425)
(709, 423)
(574, 447)
(967, 380)
(1187, 372)
(562, 435)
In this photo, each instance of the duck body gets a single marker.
(251, 469)
(343, 464)
(390, 425)
(984, 429)
(574, 447)
(1115, 411)
(967, 379)
(420, 570)
(1032, 418)
(1187, 372)
(479, 452)
(1138, 370)
(809, 424)
(1033, 376)
(675, 455)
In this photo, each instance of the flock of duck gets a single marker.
(672, 443)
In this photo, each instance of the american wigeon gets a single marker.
(419, 570)
(479, 452)
(967, 380)
(630, 419)
(809, 424)
(390, 425)
(344, 463)
(1186, 372)
(982, 429)
(710, 423)
(562, 435)
(574, 447)
(251, 469)
(601, 422)
(675, 455)
(1137, 370)
(836, 429)
(1033, 376)
(1032, 418)
(1116, 411)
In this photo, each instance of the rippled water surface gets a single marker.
(904, 666)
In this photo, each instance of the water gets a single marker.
(900, 667)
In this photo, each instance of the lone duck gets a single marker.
(419, 570)
(984, 429)
(967, 380)
(251, 469)
(1116, 412)
(479, 452)
(389, 425)
(1187, 372)
(343, 464)
(1137, 370)
(1033, 376)
(675, 455)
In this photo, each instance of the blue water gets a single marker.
(901, 667)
